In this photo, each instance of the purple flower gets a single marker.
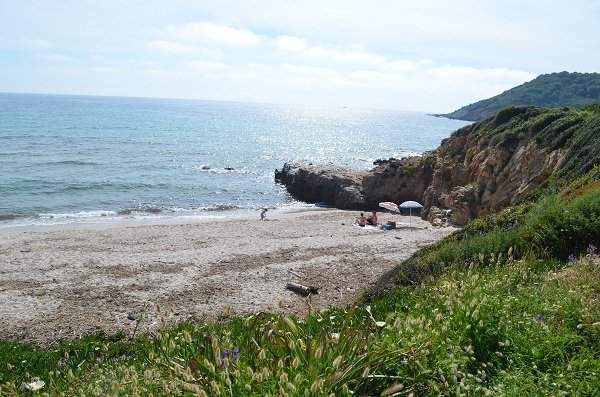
(591, 249)
(223, 356)
(540, 318)
(225, 353)
(235, 353)
(572, 258)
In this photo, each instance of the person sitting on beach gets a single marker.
(361, 220)
(263, 214)
(372, 219)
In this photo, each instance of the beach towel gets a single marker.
(367, 227)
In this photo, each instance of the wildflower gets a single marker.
(540, 318)
(36, 385)
(572, 258)
(236, 353)
(591, 249)
(223, 356)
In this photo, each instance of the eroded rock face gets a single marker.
(482, 179)
(327, 183)
(466, 174)
(397, 180)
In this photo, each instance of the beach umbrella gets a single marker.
(388, 205)
(410, 205)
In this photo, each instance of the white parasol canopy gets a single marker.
(388, 205)
(410, 205)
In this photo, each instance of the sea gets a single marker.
(68, 159)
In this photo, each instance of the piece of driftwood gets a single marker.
(295, 274)
(300, 289)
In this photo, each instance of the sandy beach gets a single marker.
(64, 283)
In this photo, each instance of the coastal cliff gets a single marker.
(478, 170)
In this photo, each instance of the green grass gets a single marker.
(511, 327)
(495, 309)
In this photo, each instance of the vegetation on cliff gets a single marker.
(576, 131)
(547, 90)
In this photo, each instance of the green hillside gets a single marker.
(547, 90)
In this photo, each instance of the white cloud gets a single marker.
(156, 72)
(470, 74)
(176, 48)
(300, 47)
(103, 70)
(289, 43)
(24, 43)
(306, 70)
(360, 57)
(208, 66)
(171, 46)
(406, 66)
(36, 44)
(367, 76)
(53, 57)
(217, 34)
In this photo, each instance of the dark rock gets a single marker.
(317, 183)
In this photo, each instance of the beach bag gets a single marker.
(389, 225)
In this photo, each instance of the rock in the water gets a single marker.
(336, 186)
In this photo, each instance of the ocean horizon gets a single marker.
(71, 159)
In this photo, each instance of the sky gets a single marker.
(419, 55)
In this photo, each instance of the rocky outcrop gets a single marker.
(485, 178)
(398, 180)
(324, 183)
(479, 170)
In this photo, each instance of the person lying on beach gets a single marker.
(361, 220)
(372, 219)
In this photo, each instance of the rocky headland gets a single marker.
(480, 169)
(554, 90)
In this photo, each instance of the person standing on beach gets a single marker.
(263, 214)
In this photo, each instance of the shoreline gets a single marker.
(61, 284)
(115, 221)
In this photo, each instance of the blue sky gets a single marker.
(427, 55)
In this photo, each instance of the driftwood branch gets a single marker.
(300, 289)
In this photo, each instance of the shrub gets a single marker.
(508, 113)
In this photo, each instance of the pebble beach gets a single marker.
(62, 283)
